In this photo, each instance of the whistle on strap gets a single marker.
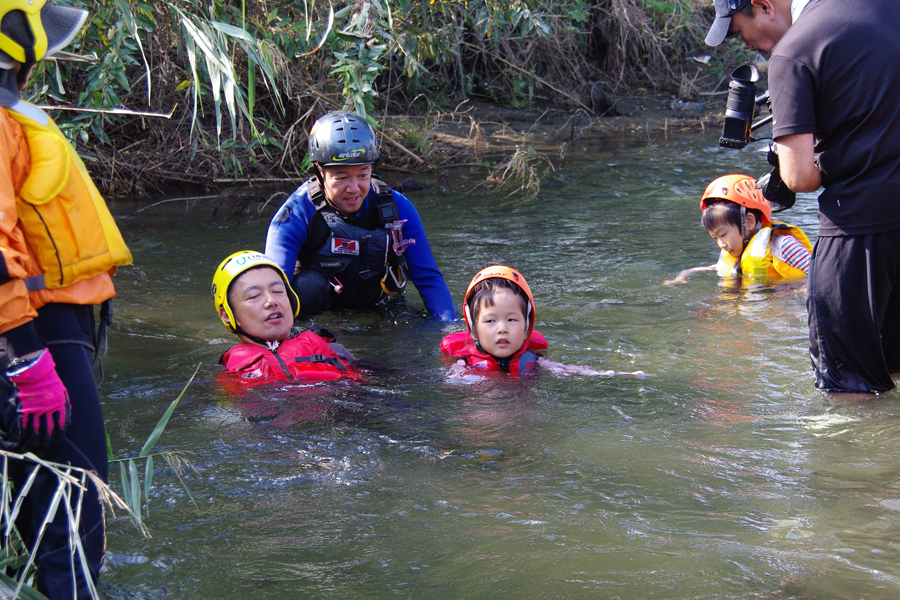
(398, 243)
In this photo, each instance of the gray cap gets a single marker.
(719, 29)
(60, 25)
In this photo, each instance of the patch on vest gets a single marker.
(329, 265)
(344, 246)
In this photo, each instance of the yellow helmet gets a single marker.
(43, 30)
(233, 267)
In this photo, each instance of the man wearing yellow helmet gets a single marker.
(58, 248)
(254, 299)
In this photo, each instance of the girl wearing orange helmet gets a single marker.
(739, 218)
(499, 311)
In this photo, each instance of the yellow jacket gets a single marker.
(58, 241)
(757, 259)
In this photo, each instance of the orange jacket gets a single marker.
(20, 248)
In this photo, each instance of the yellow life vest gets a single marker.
(68, 227)
(757, 259)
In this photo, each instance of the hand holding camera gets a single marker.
(742, 106)
(774, 189)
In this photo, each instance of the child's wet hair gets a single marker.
(483, 293)
(725, 212)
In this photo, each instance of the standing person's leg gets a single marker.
(888, 244)
(68, 332)
(846, 301)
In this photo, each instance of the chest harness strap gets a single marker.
(394, 279)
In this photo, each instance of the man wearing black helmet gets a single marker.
(834, 78)
(355, 239)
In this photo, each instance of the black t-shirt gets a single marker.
(836, 73)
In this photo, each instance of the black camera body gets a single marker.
(742, 106)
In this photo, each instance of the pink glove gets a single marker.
(43, 400)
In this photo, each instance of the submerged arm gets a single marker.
(560, 369)
(686, 274)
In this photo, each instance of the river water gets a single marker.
(721, 474)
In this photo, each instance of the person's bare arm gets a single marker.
(797, 162)
(686, 274)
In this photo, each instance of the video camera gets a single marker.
(742, 106)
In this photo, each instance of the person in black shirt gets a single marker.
(834, 77)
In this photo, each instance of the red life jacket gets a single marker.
(461, 345)
(305, 356)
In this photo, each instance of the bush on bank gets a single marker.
(243, 81)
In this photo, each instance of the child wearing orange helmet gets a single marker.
(739, 218)
(500, 335)
(499, 310)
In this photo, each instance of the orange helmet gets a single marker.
(740, 189)
(501, 272)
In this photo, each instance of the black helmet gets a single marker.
(341, 138)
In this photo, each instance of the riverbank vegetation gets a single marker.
(220, 92)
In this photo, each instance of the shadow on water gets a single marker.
(722, 474)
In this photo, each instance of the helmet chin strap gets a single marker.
(744, 235)
(271, 345)
(320, 176)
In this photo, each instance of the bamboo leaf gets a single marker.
(126, 486)
(192, 59)
(135, 489)
(148, 479)
(48, 517)
(22, 494)
(161, 426)
(74, 523)
(251, 88)
(125, 12)
(232, 31)
(331, 17)
(25, 591)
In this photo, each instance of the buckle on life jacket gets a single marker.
(321, 358)
(399, 282)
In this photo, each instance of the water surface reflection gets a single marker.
(723, 474)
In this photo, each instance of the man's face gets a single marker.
(260, 304)
(346, 187)
(763, 30)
